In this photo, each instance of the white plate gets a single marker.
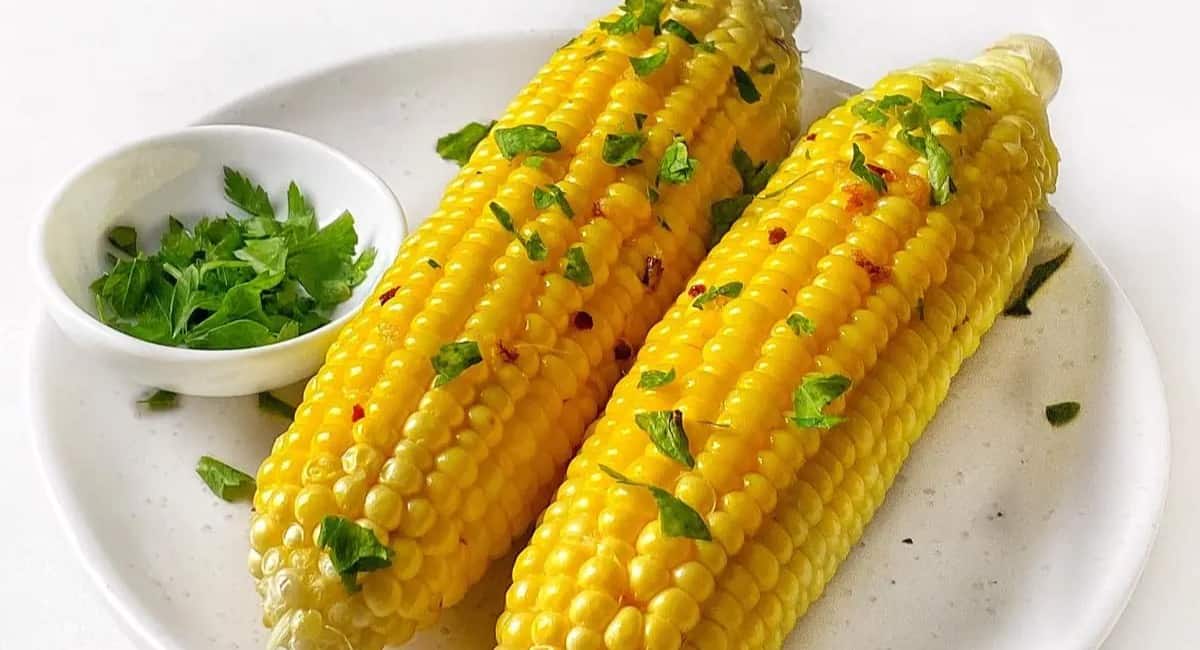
(1080, 504)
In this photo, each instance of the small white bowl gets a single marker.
(180, 173)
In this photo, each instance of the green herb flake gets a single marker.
(226, 482)
(524, 139)
(755, 176)
(433, 264)
(503, 216)
(724, 213)
(1061, 413)
(621, 149)
(707, 46)
(676, 167)
(1037, 277)
(626, 24)
(768, 68)
(247, 195)
(160, 400)
(676, 518)
(534, 162)
(676, 28)
(458, 146)
(577, 269)
(801, 325)
(745, 86)
(535, 248)
(652, 379)
(639, 120)
(816, 392)
(594, 55)
(454, 358)
(124, 239)
(870, 111)
(665, 429)
(940, 181)
(858, 165)
(646, 65)
(353, 549)
(550, 195)
(728, 290)
(271, 404)
(948, 105)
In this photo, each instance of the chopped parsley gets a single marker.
(1037, 277)
(639, 120)
(534, 162)
(858, 165)
(433, 264)
(801, 325)
(550, 195)
(271, 404)
(458, 146)
(594, 55)
(226, 482)
(676, 167)
(1062, 413)
(621, 149)
(754, 175)
(728, 290)
(454, 358)
(724, 213)
(577, 269)
(767, 68)
(816, 392)
(636, 14)
(676, 28)
(124, 239)
(535, 248)
(646, 65)
(651, 379)
(665, 429)
(525, 139)
(503, 216)
(160, 400)
(745, 86)
(948, 105)
(353, 549)
(676, 518)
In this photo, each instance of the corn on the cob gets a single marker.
(878, 256)
(527, 315)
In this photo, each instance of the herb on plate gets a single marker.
(353, 549)
(1037, 277)
(271, 404)
(675, 517)
(1061, 413)
(160, 400)
(458, 146)
(229, 483)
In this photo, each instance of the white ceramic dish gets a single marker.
(1079, 504)
(179, 173)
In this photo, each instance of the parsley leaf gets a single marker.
(577, 269)
(816, 392)
(452, 359)
(125, 286)
(1037, 277)
(676, 518)
(433, 264)
(858, 165)
(767, 68)
(755, 176)
(940, 181)
(353, 549)
(160, 400)
(264, 255)
(870, 111)
(503, 216)
(535, 248)
(271, 404)
(655, 378)
(646, 65)
(745, 86)
(801, 325)
(676, 28)
(676, 167)
(548, 195)
(665, 429)
(621, 149)
(727, 290)
(246, 195)
(459, 145)
(725, 213)
(626, 24)
(639, 120)
(1062, 413)
(534, 162)
(226, 482)
(948, 105)
(526, 138)
(323, 263)
(124, 239)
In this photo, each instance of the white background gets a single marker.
(78, 78)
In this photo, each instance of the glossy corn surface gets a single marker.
(898, 287)
(445, 472)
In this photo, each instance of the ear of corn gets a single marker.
(893, 288)
(449, 407)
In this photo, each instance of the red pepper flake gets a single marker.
(652, 273)
(861, 198)
(810, 137)
(388, 295)
(886, 173)
(776, 235)
(696, 289)
(508, 354)
(874, 271)
(582, 320)
(357, 413)
(622, 351)
(597, 209)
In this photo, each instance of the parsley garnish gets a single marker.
(665, 429)
(940, 182)
(459, 145)
(816, 392)
(226, 482)
(621, 149)
(676, 518)
(646, 65)
(353, 549)
(534, 162)
(858, 165)
(801, 324)
(639, 119)
(676, 28)
(433, 264)
(1037, 277)
(676, 167)
(754, 175)
(948, 105)
(234, 282)
(727, 290)
(124, 239)
(594, 55)
(549, 195)
(526, 138)
(745, 85)
(577, 269)
(271, 404)
(1062, 413)
(724, 213)
(768, 68)
(454, 358)
(637, 13)
(535, 248)
(160, 400)
(502, 216)
(655, 378)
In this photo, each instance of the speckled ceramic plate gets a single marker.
(1022, 535)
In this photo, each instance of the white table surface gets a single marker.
(79, 77)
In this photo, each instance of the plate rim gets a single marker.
(143, 631)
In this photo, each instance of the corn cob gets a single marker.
(878, 256)
(526, 315)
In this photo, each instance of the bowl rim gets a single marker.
(60, 303)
